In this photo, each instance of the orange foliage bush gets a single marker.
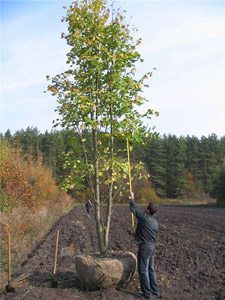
(146, 195)
(30, 203)
(24, 181)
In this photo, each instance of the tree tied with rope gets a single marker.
(98, 96)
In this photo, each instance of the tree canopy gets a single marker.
(98, 97)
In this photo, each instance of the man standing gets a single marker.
(145, 236)
(88, 206)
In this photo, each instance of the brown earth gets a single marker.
(189, 262)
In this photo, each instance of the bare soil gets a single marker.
(189, 261)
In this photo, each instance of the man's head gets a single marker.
(151, 208)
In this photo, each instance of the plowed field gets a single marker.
(189, 261)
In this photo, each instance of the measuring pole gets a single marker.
(128, 158)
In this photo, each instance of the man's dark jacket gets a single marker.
(88, 205)
(147, 227)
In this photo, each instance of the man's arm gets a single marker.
(138, 214)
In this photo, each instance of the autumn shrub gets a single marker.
(146, 195)
(23, 180)
(218, 184)
(30, 204)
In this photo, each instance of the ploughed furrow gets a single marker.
(189, 260)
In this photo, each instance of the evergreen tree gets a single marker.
(8, 136)
(222, 149)
(29, 140)
(52, 145)
(175, 163)
(155, 160)
(193, 160)
(209, 156)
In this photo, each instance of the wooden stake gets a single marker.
(9, 258)
(9, 288)
(56, 251)
(129, 170)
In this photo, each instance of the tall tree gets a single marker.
(209, 156)
(193, 160)
(175, 161)
(8, 135)
(29, 140)
(99, 93)
(156, 163)
(52, 145)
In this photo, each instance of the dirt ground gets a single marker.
(189, 262)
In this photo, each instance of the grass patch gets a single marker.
(177, 201)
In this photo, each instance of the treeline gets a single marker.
(184, 167)
(179, 166)
(50, 145)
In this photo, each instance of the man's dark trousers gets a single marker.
(146, 270)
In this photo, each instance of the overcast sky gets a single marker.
(184, 40)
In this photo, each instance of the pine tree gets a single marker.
(156, 163)
(175, 163)
(193, 160)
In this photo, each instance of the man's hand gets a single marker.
(132, 195)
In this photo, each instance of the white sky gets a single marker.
(184, 40)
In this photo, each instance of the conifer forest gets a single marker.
(179, 167)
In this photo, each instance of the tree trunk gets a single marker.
(99, 228)
(109, 204)
(109, 213)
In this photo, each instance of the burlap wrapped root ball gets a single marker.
(115, 270)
